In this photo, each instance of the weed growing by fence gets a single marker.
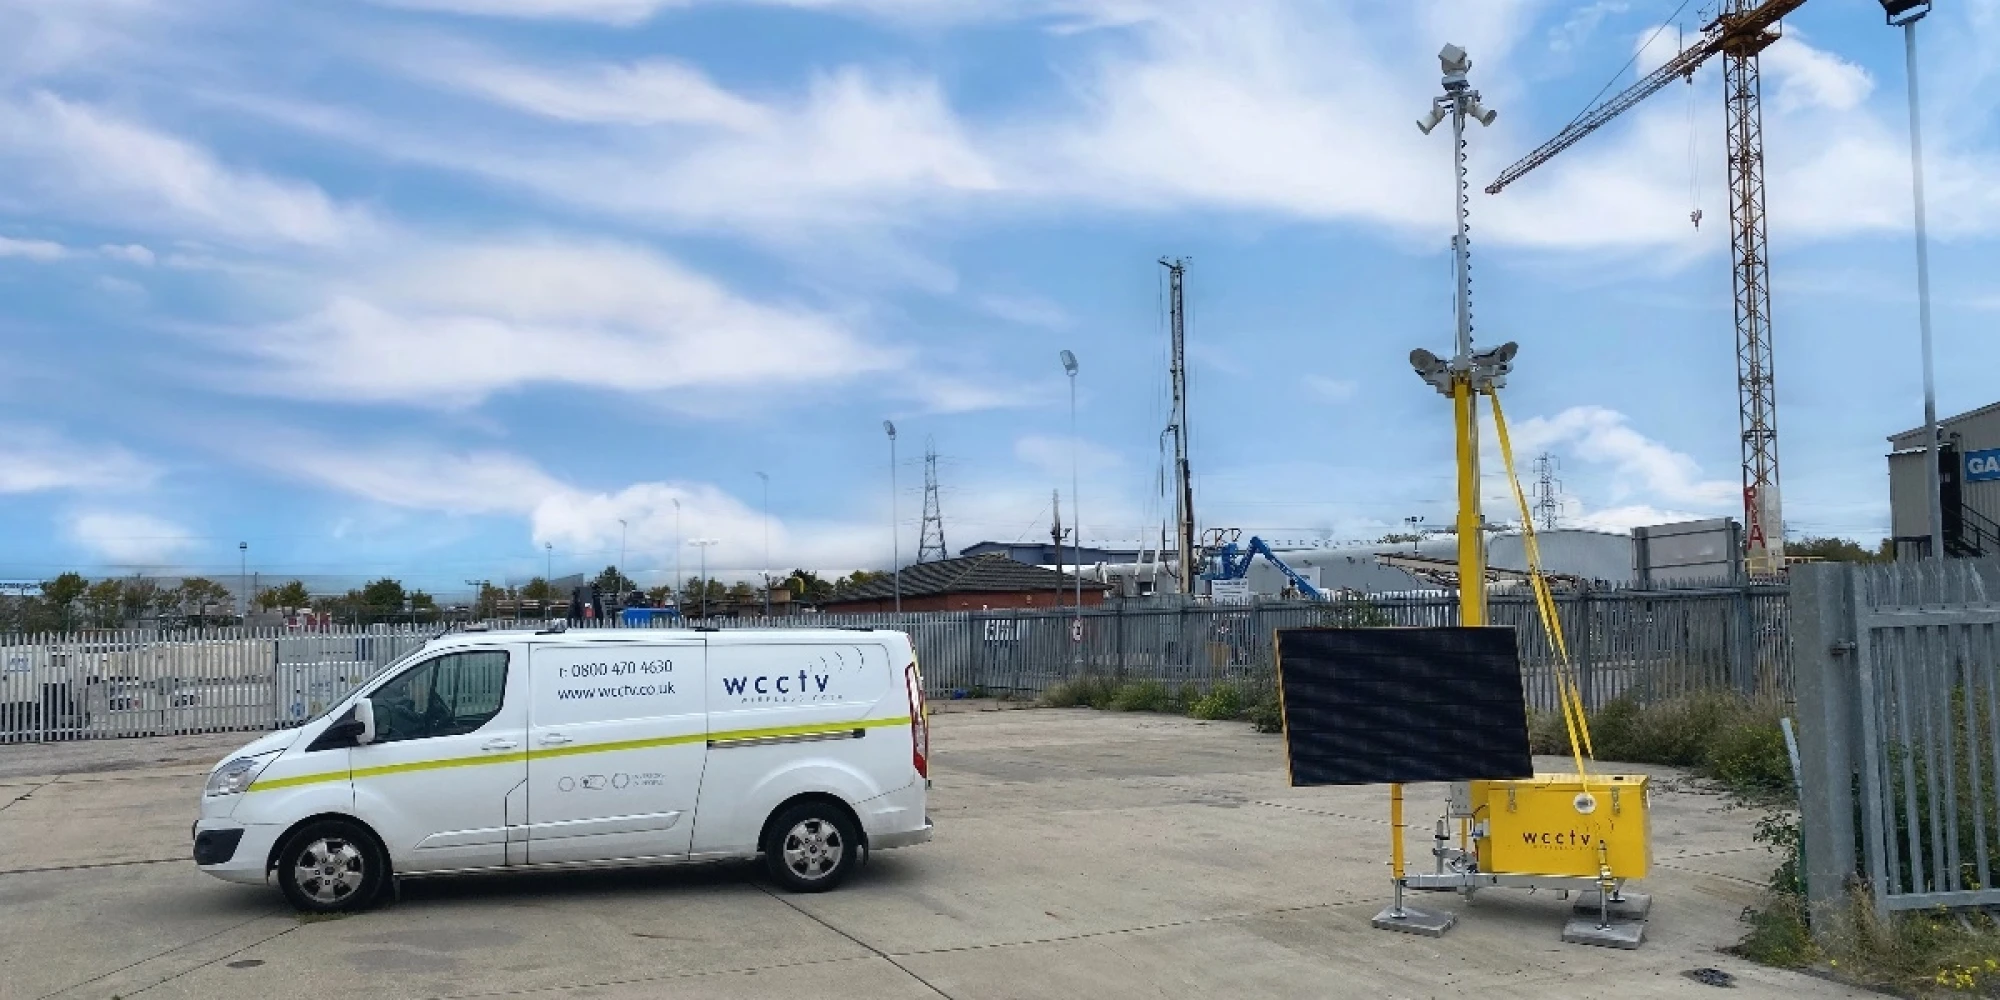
(1719, 735)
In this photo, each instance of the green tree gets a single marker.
(614, 583)
(140, 597)
(807, 585)
(384, 595)
(104, 604)
(660, 596)
(742, 593)
(61, 597)
(291, 595)
(487, 604)
(203, 600)
(1835, 549)
(537, 589)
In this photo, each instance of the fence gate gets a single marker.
(1898, 673)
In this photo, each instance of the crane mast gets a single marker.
(1741, 30)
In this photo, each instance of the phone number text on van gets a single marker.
(617, 668)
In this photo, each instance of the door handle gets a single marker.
(495, 746)
(554, 738)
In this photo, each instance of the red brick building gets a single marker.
(972, 583)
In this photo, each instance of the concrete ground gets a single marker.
(1078, 854)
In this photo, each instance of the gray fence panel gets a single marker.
(1899, 684)
(1639, 644)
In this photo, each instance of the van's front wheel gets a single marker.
(813, 847)
(332, 867)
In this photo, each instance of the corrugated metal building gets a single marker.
(1969, 475)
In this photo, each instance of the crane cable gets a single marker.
(1568, 691)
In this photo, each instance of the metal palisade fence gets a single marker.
(1899, 733)
(1645, 645)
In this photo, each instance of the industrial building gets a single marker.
(971, 583)
(1968, 480)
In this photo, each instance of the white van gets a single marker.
(512, 750)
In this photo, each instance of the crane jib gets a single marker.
(1741, 32)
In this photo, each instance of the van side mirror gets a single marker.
(355, 727)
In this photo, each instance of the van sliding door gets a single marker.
(617, 737)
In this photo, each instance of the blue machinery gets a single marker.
(1230, 562)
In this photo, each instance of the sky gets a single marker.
(452, 290)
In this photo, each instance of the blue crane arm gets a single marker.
(1257, 547)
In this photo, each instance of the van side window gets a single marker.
(449, 695)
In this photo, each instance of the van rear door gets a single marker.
(617, 737)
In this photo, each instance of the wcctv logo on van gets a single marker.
(779, 689)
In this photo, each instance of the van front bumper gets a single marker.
(233, 851)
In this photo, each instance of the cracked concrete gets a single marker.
(1077, 854)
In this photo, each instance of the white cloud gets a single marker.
(418, 478)
(129, 252)
(648, 92)
(1582, 23)
(39, 250)
(1335, 390)
(450, 326)
(92, 164)
(1051, 456)
(1635, 469)
(129, 539)
(1813, 78)
(1027, 310)
(34, 459)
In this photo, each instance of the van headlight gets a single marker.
(232, 778)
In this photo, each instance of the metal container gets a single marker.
(1553, 824)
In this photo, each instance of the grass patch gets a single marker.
(1083, 692)
(1719, 735)
(1143, 696)
(1223, 701)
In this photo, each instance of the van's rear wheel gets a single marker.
(332, 866)
(813, 847)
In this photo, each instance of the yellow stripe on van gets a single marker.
(273, 784)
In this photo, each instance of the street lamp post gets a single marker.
(895, 544)
(679, 580)
(703, 544)
(243, 578)
(1076, 519)
(767, 543)
(1906, 14)
(548, 564)
(621, 547)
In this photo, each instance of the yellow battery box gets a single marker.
(1545, 825)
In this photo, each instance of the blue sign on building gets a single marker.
(1982, 466)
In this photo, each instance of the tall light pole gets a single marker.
(1462, 379)
(1076, 519)
(679, 580)
(703, 544)
(767, 543)
(621, 546)
(548, 564)
(1906, 14)
(243, 578)
(895, 544)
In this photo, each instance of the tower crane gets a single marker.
(1741, 30)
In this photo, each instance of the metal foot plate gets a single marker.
(1626, 906)
(1618, 934)
(1429, 923)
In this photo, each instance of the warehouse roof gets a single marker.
(1960, 418)
(989, 573)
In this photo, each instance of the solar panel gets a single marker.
(1366, 706)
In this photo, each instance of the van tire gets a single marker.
(332, 866)
(812, 846)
